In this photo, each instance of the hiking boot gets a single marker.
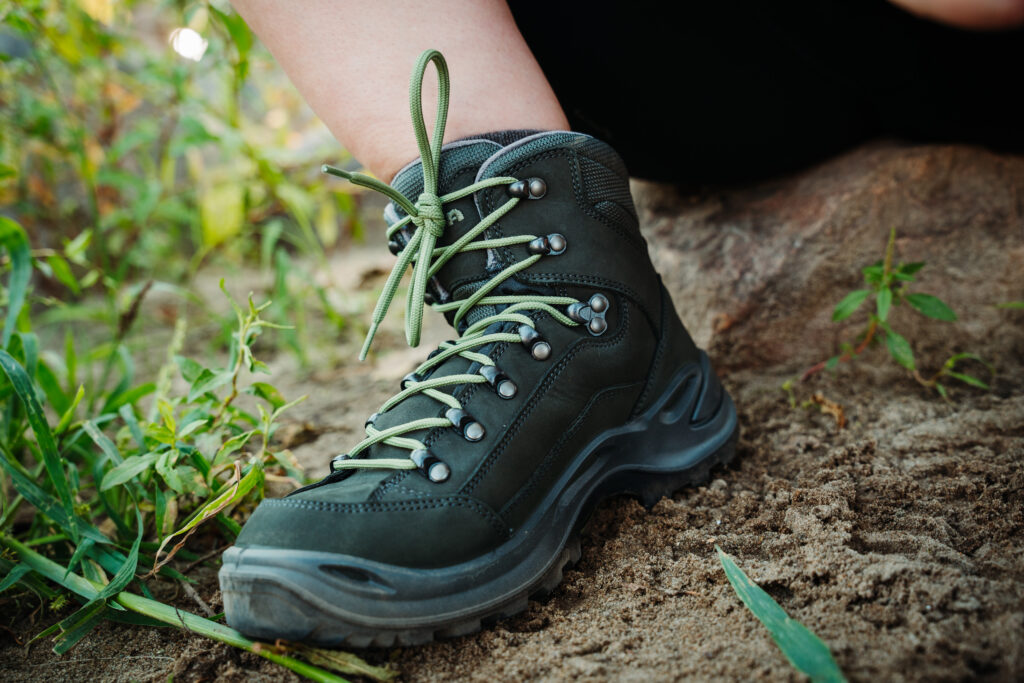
(571, 379)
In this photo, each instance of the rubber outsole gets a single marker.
(337, 600)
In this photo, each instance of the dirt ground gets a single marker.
(897, 539)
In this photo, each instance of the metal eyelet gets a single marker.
(503, 386)
(410, 378)
(592, 313)
(531, 188)
(430, 466)
(465, 423)
(339, 458)
(552, 245)
(539, 349)
(370, 420)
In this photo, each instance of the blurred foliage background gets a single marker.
(149, 151)
(147, 140)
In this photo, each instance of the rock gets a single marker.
(755, 271)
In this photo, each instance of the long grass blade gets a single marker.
(44, 437)
(804, 650)
(167, 614)
(12, 236)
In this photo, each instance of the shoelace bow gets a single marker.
(427, 215)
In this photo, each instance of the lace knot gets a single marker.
(430, 214)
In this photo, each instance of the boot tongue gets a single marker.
(460, 162)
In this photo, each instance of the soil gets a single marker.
(897, 539)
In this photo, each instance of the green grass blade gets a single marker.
(44, 437)
(78, 626)
(13, 238)
(14, 576)
(49, 506)
(166, 614)
(127, 470)
(127, 413)
(103, 441)
(804, 650)
(81, 551)
(69, 413)
(968, 379)
(234, 493)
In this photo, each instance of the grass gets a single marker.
(105, 479)
(804, 650)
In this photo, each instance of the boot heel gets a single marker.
(690, 429)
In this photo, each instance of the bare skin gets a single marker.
(972, 14)
(351, 62)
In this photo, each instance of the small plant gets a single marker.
(804, 650)
(103, 482)
(887, 285)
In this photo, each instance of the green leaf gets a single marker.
(62, 272)
(81, 551)
(190, 370)
(14, 576)
(804, 650)
(76, 249)
(208, 381)
(213, 507)
(127, 413)
(78, 626)
(931, 306)
(13, 238)
(7, 171)
(955, 358)
(1011, 304)
(832, 363)
(127, 470)
(267, 392)
(873, 274)
(899, 349)
(104, 442)
(69, 414)
(850, 303)
(41, 428)
(967, 379)
(130, 397)
(942, 391)
(170, 475)
(240, 34)
(910, 268)
(884, 303)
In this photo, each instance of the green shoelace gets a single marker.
(427, 215)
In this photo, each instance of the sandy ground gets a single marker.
(898, 539)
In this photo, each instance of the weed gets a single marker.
(115, 470)
(887, 285)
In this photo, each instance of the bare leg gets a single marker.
(351, 61)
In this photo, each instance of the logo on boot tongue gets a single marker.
(454, 216)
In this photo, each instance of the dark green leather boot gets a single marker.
(571, 379)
